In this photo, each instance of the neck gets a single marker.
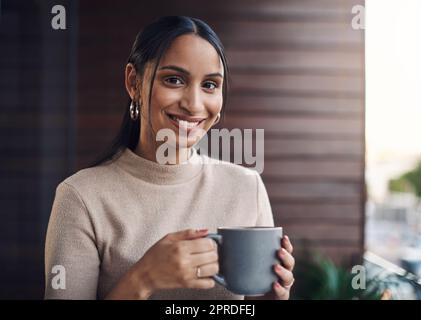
(147, 148)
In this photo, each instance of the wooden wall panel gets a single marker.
(36, 137)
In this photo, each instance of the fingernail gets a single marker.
(277, 285)
(278, 267)
(201, 230)
(286, 237)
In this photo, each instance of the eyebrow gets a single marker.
(182, 70)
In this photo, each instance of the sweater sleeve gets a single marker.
(71, 256)
(265, 216)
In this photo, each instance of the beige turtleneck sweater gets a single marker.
(105, 218)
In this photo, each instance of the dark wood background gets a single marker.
(297, 71)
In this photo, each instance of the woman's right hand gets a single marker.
(171, 263)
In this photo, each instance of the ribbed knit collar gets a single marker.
(156, 173)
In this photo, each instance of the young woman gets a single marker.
(130, 227)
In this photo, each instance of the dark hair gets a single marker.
(150, 45)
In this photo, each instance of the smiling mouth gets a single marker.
(182, 122)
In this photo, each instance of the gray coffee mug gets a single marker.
(246, 258)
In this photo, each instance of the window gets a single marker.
(393, 130)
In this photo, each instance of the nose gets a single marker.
(192, 101)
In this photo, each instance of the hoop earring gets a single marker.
(134, 110)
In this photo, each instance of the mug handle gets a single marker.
(218, 239)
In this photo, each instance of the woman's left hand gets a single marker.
(281, 288)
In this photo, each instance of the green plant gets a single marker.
(318, 278)
(408, 182)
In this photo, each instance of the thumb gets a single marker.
(188, 234)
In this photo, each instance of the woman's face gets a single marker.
(187, 91)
